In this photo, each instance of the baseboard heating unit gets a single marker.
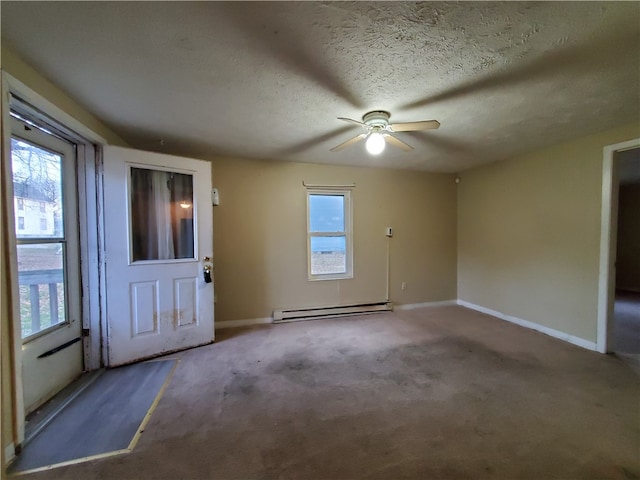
(294, 315)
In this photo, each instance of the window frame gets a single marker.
(347, 233)
(194, 208)
(66, 149)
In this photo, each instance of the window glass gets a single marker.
(328, 255)
(37, 191)
(41, 283)
(326, 213)
(161, 215)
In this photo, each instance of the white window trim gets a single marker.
(348, 233)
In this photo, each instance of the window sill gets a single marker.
(340, 276)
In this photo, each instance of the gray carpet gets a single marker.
(439, 393)
(103, 418)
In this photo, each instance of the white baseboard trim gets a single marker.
(412, 306)
(9, 454)
(242, 323)
(580, 342)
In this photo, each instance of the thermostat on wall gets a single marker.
(389, 232)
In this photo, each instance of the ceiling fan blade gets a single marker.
(391, 140)
(350, 120)
(414, 126)
(349, 142)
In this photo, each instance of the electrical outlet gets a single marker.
(403, 286)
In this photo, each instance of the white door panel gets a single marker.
(157, 298)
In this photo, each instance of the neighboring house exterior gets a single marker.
(35, 213)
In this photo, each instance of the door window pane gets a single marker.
(41, 282)
(37, 191)
(161, 215)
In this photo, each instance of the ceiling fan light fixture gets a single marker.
(379, 132)
(375, 143)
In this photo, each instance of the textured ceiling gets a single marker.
(268, 79)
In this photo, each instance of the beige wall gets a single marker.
(628, 249)
(260, 237)
(529, 234)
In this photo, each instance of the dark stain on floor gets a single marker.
(241, 383)
(411, 366)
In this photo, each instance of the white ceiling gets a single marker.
(268, 79)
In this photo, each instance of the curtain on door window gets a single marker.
(161, 215)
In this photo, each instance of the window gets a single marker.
(43, 207)
(20, 203)
(38, 173)
(329, 234)
(161, 206)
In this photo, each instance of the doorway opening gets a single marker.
(51, 187)
(626, 313)
(619, 282)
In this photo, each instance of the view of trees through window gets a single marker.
(37, 188)
(37, 191)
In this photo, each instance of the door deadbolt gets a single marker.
(207, 273)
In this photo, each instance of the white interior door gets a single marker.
(159, 242)
(46, 234)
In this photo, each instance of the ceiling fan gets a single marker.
(379, 131)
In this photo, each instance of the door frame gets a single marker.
(608, 241)
(90, 215)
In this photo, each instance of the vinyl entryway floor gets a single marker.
(423, 394)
